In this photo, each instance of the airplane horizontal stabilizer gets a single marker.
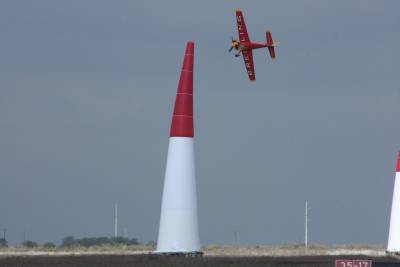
(271, 45)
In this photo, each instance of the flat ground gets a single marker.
(284, 256)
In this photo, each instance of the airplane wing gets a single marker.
(248, 62)
(243, 35)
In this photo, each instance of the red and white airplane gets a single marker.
(245, 46)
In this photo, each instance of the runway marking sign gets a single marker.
(353, 263)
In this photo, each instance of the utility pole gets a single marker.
(116, 221)
(4, 233)
(306, 226)
(236, 237)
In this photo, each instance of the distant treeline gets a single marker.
(70, 241)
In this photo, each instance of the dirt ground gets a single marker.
(232, 256)
(151, 260)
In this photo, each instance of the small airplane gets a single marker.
(245, 46)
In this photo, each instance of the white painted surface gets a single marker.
(178, 230)
(394, 228)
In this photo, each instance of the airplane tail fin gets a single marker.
(271, 45)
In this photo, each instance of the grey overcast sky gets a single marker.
(87, 90)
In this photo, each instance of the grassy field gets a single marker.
(295, 250)
(210, 250)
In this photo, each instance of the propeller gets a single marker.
(232, 40)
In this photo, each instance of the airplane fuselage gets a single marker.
(251, 45)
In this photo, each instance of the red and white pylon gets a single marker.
(178, 232)
(394, 228)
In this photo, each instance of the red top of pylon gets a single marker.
(182, 120)
(398, 163)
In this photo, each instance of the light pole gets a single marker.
(116, 221)
(306, 226)
(236, 237)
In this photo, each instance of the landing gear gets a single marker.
(238, 53)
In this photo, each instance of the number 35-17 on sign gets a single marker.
(353, 263)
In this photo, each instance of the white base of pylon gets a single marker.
(394, 228)
(178, 232)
